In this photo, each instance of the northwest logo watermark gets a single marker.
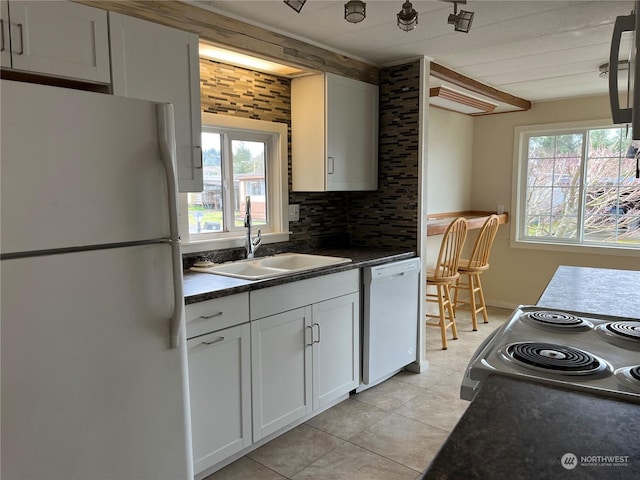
(569, 461)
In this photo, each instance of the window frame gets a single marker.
(276, 185)
(519, 182)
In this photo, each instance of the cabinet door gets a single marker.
(352, 134)
(336, 348)
(60, 38)
(159, 63)
(281, 370)
(220, 390)
(5, 53)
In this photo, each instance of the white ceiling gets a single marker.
(537, 50)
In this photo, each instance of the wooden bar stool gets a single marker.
(470, 270)
(444, 276)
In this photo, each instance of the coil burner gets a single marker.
(622, 334)
(559, 321)
(553, 358)
(629, 377)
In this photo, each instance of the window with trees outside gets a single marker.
(577, 186)
(240, 158)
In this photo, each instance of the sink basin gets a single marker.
(267, 267)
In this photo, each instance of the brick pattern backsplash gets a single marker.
(388, 217)
(383, 218)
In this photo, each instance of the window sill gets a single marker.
(232, 242)
(576, 248)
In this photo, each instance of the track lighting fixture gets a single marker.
(461, 21)
(355, 11)
(296, 4)
(407, 17)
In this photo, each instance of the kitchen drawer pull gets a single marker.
(2, 34)
(318, 325)
(309, 344)
(213, 315)
(217, 340)
(330, 165)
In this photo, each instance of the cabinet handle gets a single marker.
(201, 158)
(217, 340)
(2, 34)
(318, 325)
(21, 40)
(309, 344)
(213, 315)
(329, 165)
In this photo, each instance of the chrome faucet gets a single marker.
(251, 244)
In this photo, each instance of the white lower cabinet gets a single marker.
(299, 353)
(336, 348)
(220, 390)
(303, 356)
(281, 370)
(219, 356)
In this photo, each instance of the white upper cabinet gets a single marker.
(158, 63)
(334, 134)
(57, 38)
(5, 46)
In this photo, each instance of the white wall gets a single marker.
(450, 161)
(517, 275)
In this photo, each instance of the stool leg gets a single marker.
(483, 305)
(452, 316)
(443, 328)
(472, 300)
(455, 297)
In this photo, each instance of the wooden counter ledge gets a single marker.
(437, 223)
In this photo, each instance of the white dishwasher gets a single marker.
(390, 319)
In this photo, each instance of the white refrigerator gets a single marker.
(93, 357)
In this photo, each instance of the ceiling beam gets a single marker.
(448, 75)
(241, 36)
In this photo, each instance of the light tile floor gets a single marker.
(391, 431)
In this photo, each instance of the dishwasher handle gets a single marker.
(392, 270)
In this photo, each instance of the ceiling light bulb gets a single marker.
(296, 4)
(407, 17)
(355, 11)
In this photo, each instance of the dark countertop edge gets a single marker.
(199, 287)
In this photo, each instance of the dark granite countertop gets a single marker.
(199, 287)
(600, 291)
(521, 430)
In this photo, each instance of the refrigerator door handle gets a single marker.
(167, 141)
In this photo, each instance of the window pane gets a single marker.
(538, 226)
(564, 226)
(249, 180)
(613, 193)
(607, 141)
(205, 208)
(540, 172)
(569, 145)
(542, 147)
(553, 180)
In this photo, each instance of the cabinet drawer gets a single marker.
(212, 315)
(270, 301)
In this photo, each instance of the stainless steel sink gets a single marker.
(277, 265)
